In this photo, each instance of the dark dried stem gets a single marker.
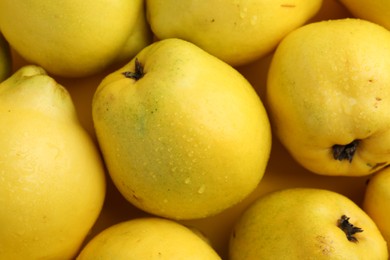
(138, 71)
(345, 152)
(349, 229)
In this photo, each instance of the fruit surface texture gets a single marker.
(148, 238)
(306, 223)
(329, 99)
(52, 182)
(75, 38)
(188, 138)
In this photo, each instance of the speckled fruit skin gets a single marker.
(328, 96)
(188, 139)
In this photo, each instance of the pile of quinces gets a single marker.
(170, 129)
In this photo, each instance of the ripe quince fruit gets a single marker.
(306, 223)
(148, 238)
(377, 11)
(237, 32)
(52, 179)
(328, 96)
(75, 38)
(183, 134)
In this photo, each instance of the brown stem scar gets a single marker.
(138, 71)
(345, 152)
(349, 229)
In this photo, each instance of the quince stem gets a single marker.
(137, 74)
(345, 152)
(349, 229)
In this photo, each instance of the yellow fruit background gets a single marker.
(282, 171)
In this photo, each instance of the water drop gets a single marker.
(254, 20)
(201, 189)
(243, 13)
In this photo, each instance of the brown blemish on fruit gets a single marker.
(349, 229)
(138, 71)
(378, 165)
(345, 152)
(288, 5)
(325, 245)
(137, 198)
(377, 100)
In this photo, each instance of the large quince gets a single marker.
(52, 179)
(306, 223)
(75, 38)
(183, 134)
(329, 98)
(237, 32)
(148, 238)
